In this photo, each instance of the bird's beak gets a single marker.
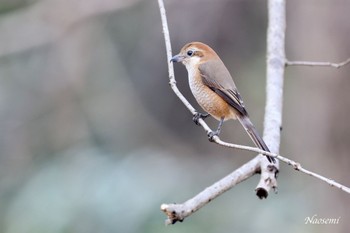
(177, 58)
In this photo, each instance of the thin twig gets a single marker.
(310, 63)
(172, 81)
(290, 162)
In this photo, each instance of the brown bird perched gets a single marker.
(214, 89)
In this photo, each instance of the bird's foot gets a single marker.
(212, 134)
(198, 116)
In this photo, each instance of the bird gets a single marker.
(215, 91)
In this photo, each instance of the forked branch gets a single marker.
(178, 212)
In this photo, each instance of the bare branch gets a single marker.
(178, 212)
(290, 162)
(274, 91)
(310, 63)
(172, 80)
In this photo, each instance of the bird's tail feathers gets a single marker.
(254, 135)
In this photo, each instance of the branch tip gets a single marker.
(163, 207)
(175, 213)
(261, 193)
(310, 63)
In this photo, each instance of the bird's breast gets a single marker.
(211, 102)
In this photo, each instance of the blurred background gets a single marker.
(94, 140)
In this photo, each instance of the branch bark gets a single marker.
(311, 63)
(274, 89)
(178, 212)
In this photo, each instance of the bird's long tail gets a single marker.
(254, 135)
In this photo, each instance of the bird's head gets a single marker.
(194, 53)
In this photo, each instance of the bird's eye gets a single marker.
(190, 53)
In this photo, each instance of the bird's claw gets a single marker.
(198, 116)
(211, 135)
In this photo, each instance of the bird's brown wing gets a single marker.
(216, 76)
